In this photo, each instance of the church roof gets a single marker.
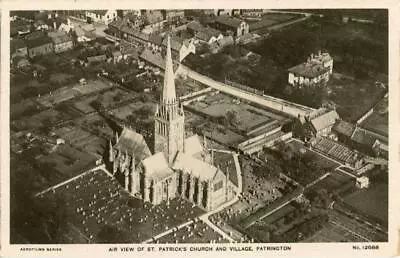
(196, 167)
(193, 145)
(156, 166)
(133, 143)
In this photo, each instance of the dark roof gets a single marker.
(98, 58)
(59, 38)
(39, 41)
(133, 143)
(229, 21)
(366, 137)
(155, 39)
(154, 58)
(343, 127)
(176, 42)
(17, 44)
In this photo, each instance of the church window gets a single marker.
(218, 186)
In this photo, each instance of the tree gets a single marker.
(231, 117)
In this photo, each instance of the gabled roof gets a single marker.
(366, 137)
(193, 145)
(344, 128)
(156, 166)
(176, 43)
(153, 57)
(155, 39)
(196, 167)
(324, 120)
(39, 41)
(98, 58)
(59, 37)
(133, 143)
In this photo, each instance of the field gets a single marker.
(372, 201)
(247, 117)
(45, 118)
(64, 163)
(333, 181)
(82, 139)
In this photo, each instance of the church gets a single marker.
(179, 166)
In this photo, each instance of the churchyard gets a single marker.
(104, 212)
(196, 232)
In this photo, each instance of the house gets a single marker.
(20, 61)
(96, 59)
(203, 34)
(39, 46)
(381, 149)
(317, 69)
(180, 47)
(61, 41)
(84, 35)
(152, 16)
(101, 16)
(18, 48)
(153, 58)
(117, 56)
(131, 21)
(343, 130)
(320, 122)
(173, 15)
(369, 141)
(231, 24)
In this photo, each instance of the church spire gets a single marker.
(168, 94)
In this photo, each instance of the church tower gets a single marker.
(169, 126)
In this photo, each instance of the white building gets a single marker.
(362, 182)
(318, 68)
(101, 16)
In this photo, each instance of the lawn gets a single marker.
(372, 201)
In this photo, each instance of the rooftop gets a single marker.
(196, 167)
(133, 143)
(344, 128)
(39, 41)
(324, 120)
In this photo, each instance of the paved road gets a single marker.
(280, 105)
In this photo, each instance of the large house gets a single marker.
(101, 16)
(178, 166)
(235, 25)
(320, 122)
(317, 69)
(38, 46)
(61, 41)
(202, 33)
